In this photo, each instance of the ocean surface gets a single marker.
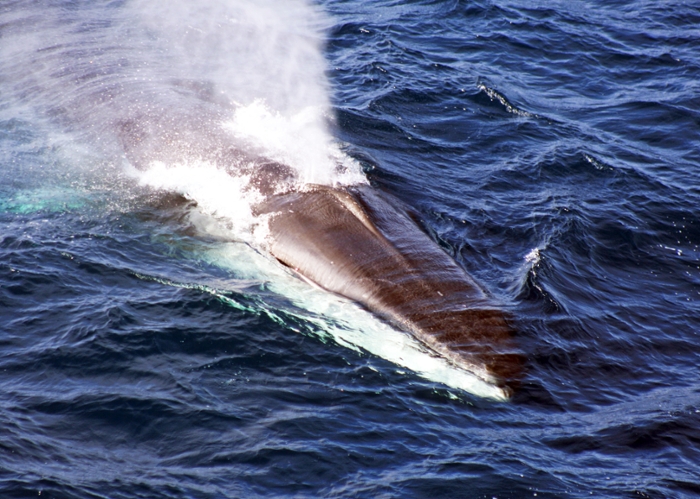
(151, 348)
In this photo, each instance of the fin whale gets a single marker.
(363, 244)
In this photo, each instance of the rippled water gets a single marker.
(553, 149)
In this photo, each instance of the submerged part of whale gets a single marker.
(362, 244)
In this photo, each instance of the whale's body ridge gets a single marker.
(362, 244)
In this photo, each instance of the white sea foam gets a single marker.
(533, 257)
(299, 140)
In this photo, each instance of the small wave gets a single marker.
(494, 95)
(216, 193)
(599, 165)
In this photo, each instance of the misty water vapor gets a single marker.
(182, 83)
(250, 49)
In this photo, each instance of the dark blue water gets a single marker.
(553, 149)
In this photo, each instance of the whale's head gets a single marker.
(364, 245)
